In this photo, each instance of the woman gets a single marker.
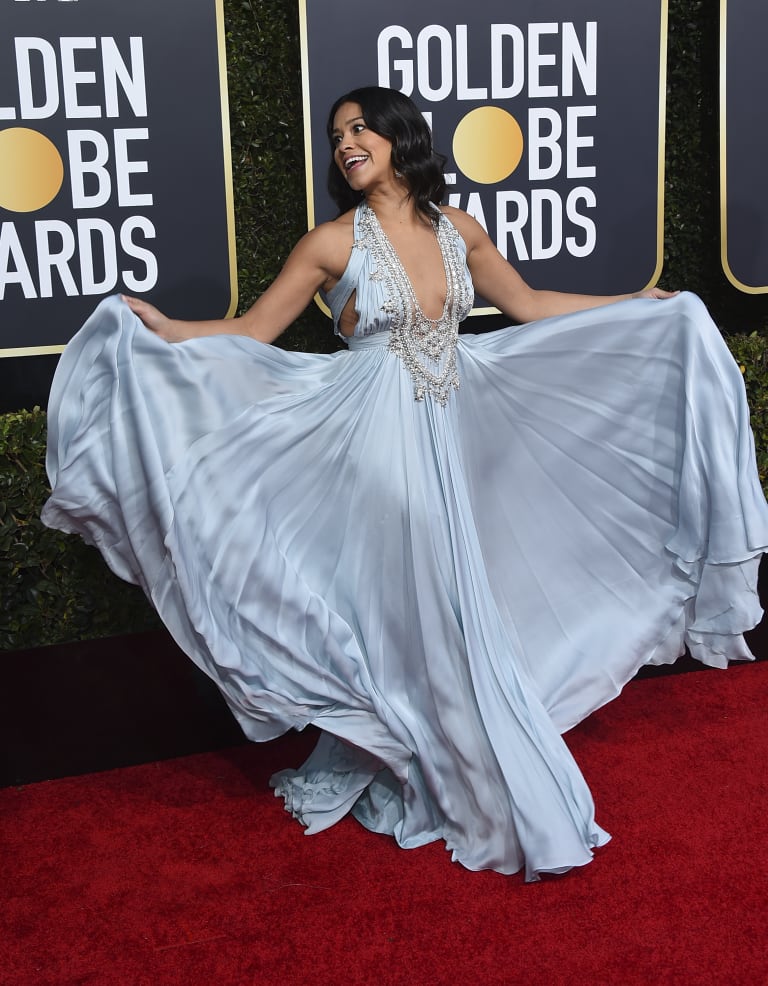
(442, 551)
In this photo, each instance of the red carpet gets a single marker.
(189, 872)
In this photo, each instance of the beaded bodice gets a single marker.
(386, 302)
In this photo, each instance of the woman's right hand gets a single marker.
(153, 318)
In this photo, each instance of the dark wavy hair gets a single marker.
(393, 115)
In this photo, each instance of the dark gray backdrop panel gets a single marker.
(188, 170)
(341, 54)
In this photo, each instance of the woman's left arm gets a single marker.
(498, 281)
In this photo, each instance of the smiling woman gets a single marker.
(389, 123)
(441, 550)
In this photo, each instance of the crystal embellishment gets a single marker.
(426, 346)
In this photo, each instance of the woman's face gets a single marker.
(363, 156)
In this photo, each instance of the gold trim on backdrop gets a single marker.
(484, 311)
(308, 169)
(663, 40)
(226, 138)
(31, 351)
(746, 288)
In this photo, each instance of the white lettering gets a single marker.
(44, 77)
(533, 227)
(545, 154)
(89, 154)
(71, 78)
(440, 34)
(13, 264)
(538, 60)
(402, 65)
(574, 141)
(546, 217)
(544, 141)
(80, 168)
(498, 62)
(132, 281)
(133, 83)
(28, 108)
(505, 225)
(49, 259)
(439, 65)
(585, 62)
(463, 90)
(86, 228)
(89, 248)
(124, 168)
(587, 196)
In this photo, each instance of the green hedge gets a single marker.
(751, 353)
(266, 124)
(54, 588)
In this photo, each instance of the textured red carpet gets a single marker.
(189, 872)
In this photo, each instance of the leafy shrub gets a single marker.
(53, 587)
(751, 353)
(267, 135)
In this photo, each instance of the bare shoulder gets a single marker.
(328, 245)
(471, 231)
(326, 235)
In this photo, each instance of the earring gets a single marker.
(398, 174)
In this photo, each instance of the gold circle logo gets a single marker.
(31, 170)
(488, 145)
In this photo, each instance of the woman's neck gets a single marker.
(394, 206)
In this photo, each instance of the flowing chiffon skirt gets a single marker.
(442, 590)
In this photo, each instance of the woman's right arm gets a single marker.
(313, 263)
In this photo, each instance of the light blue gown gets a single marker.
(442, 589)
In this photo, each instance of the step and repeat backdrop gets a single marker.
(744, 143)
(115, 170)
(114, 163)
(550, 112)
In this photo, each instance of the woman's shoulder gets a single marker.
(470, 229)
(330, 239)
(337, 233)
(327, 246)
(334, 229)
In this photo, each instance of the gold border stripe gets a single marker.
(662, 142)
(31, 351)
(226, 138)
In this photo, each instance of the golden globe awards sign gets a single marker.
(744, 143)
(114, 163)
(550, 112)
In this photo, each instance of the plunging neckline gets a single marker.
(418, 309)
(427, 346)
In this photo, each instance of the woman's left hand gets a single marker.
(657, 294)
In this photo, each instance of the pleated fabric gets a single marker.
(442, 590)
